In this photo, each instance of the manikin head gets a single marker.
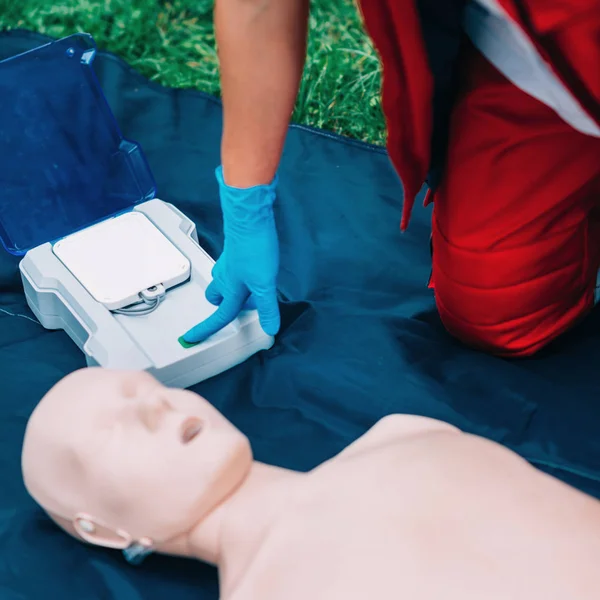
(120, 461)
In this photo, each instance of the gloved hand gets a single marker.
(245, 275)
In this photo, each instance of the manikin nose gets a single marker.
(152, 410)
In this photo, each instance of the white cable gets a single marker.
(150, 300)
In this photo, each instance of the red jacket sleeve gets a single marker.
(407, 93)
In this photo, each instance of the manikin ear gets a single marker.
(97, 533)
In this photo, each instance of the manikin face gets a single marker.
(119, 446)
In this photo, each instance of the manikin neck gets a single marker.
(242, 517)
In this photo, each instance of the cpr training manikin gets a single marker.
(413, 509)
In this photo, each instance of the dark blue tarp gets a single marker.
(360, 339)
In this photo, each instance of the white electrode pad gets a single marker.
(118, 258)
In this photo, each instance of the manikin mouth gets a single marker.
(191, 427)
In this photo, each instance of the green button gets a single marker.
(187, 344)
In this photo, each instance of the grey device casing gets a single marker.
(143, 342)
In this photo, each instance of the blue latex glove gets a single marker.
(245, 275)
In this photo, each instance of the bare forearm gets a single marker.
(262, 46)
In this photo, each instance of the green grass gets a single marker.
(173, 43)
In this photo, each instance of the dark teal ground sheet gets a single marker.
(360, 339)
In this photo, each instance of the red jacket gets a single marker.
(418, 42)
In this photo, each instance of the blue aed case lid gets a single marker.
(64, 164)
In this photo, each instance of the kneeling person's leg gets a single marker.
(515, 242)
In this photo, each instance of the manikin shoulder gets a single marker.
(393, 429)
